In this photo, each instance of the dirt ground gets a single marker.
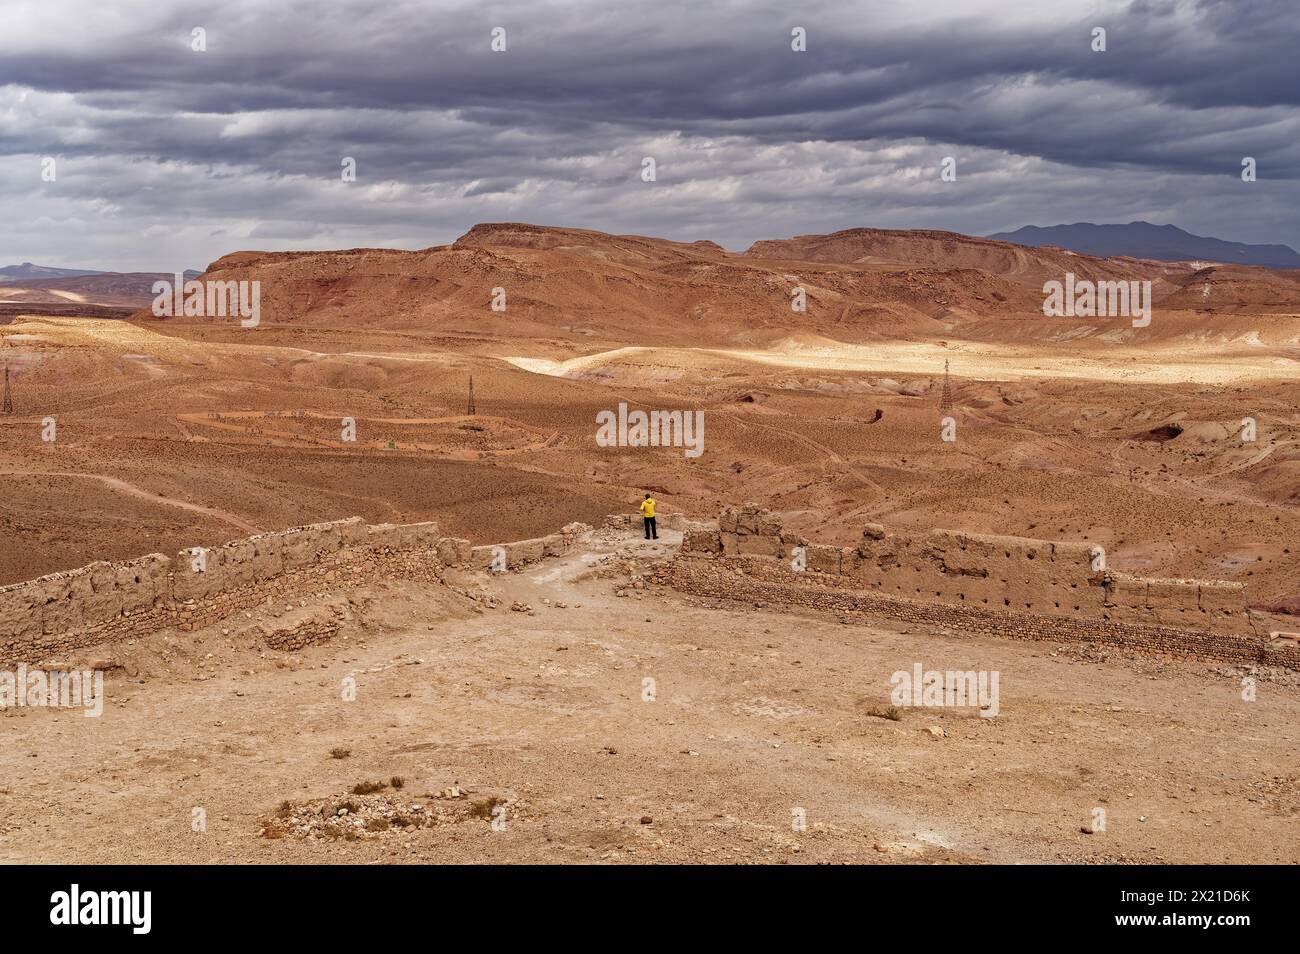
(173, 435)
(522, 732)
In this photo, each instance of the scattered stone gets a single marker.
(364, 817)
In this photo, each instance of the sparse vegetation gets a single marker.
(482, 808)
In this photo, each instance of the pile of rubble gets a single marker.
(375, 810)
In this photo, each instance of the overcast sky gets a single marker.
(167, 158)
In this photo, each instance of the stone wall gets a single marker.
(663, 521)
(512, 556)
(301, 628)
(986, 584)
(106, 602)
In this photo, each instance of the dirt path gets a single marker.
(808, 442)
(1203, 487)
(281, 438)
(127, 488)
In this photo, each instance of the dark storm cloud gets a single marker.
(753, 140)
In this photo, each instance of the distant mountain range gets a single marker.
(29, 273)
(39, 289)
(859, 285)
(1165, 243)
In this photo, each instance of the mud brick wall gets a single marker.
(522, 552)
(663, 521)
(1014, 586)
(108, 602)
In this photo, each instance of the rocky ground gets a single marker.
(575, 713)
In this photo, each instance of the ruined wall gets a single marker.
(1008, 585)
(664, 521)
(522, 552)
(123, 600)
(301, 628)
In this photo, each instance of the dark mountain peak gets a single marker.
(28, 270)
(1143, 239)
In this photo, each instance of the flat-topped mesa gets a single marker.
(107, 602)
(999, 582)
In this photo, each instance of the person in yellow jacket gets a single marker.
(648, 511)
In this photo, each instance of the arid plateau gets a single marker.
(902, 461)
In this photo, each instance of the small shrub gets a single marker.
(274, 829)
(483, 809)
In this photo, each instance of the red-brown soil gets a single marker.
(181, 432)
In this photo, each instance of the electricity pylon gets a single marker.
(945, 399)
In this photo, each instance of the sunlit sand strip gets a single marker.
(1155, 365)
(1159, 363)
(558, 369)
(1162, 364)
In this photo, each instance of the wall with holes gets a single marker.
(106, 602)
(986, 572)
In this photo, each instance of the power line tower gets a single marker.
(945, 400)
(9, 401)
(471, 410)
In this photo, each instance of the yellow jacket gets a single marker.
(648, 507)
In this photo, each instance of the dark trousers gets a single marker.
(650, 530)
